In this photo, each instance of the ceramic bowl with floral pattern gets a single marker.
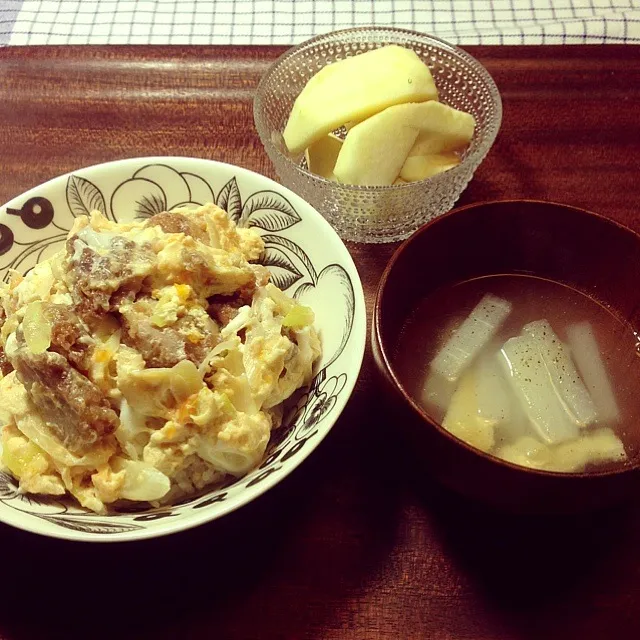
(306, 258)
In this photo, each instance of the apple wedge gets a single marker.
(422, 167)
(354, 89)
(375, 150)
(321, 156)
(443, 129)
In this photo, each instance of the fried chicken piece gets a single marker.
(190, 337)
(74, 408)
(178, 223)
(69, 336)
(104, 270)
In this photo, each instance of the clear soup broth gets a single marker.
(552, 383)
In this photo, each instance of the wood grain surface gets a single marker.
(357, 543)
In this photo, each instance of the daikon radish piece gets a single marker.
(437, 392)
(586, 354)
(566, 379)
(526, 451)
(494, 396)
(471, 336)
(497, 403)
(532, 384)
(518, 425)
(462, 419)
(601, 445)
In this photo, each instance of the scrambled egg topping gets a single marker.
(148, 360)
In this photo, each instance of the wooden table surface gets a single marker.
(354, 544)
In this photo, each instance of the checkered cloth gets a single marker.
(25, 22)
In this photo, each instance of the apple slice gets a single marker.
(354, 89)
(422, 167)
(321, 156)
(375, 150)
(443, 129)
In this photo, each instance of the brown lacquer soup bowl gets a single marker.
(576, 248)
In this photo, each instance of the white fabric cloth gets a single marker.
(36, 22)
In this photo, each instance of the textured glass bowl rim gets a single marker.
(335, 37)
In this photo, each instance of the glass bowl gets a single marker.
(377, 214)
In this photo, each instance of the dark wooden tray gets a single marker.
(353, 544)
